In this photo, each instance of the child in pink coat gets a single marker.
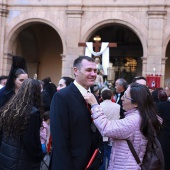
(45, 131)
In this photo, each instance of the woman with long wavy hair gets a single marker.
(20, 121)
(139, 126)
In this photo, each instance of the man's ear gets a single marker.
(75, 71)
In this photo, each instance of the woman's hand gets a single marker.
(90, 98)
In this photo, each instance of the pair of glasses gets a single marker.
(128, 98)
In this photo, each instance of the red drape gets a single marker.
(153, 81)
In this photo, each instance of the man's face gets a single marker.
(118, 87)
(86, 74)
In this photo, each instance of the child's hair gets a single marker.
(46, 115)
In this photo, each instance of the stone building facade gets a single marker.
(47, 33)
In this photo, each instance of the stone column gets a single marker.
(163, 62)
(74, 14)
(3, 14)
(156, 21)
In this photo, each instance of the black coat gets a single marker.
(72, 138)
(5, 95)
(26, 153)
(164, 137)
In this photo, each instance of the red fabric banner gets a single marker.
(153, 81)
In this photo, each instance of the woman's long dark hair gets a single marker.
(150, 124)
(15, 115)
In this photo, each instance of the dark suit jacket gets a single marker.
(72, 138)
(120, 103)
(164, 136)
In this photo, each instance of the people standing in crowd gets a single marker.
(167, 88)
(120, 86)
(164, 137)
(15, 79)
(20, 121)
(49, 87)
(45, 131)
(139, 80)
(139, 126)
(155, 94)
(112, 112)
(74, 136)
(3, 80)
(96, 91)
(64, 82)
(99, 80)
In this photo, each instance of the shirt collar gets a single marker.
(82, 90)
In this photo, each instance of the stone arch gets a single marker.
(165, 59)
(117, 17)
(166, 39)
(15, 30)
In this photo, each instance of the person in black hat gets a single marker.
(16, 77)
(3, 80)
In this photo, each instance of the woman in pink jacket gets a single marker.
(139, 126)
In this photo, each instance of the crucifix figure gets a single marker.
(99, 48)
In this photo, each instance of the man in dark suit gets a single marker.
(120, 86)
(74, 136)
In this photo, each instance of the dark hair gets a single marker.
(106, 94)
(18, 67)
(94, 88)
(155, 94)
(46, 115)
(78, 61)
(150, 124)
(138, 78)
(3, 77)
(162, 95)
(122, 82)
(15, 115)
(68, 80)
(49, 86)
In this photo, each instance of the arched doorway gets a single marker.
(41, 46)
(167, 68)
(126, 57)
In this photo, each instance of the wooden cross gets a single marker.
(97, 45)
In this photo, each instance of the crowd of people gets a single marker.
(79, 117)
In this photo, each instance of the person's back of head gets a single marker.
(162, 95)
(46, 115)
(68, 80)
(106, 94)
(49, 86)
(3, 80)
(16, 113)
(139, 80)
(155, 94)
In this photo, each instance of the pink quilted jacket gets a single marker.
(121, 157)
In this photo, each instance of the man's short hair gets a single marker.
(106, 94)
(138, 78)
(122, 82)
(78, 60)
